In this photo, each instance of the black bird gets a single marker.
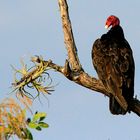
(113, 60)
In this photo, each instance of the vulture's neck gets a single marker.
(114, 33)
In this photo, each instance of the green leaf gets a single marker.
(43, 125)
(33, 125)
(38, 128)
(42, 118)
(38, 116)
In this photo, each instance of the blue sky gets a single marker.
(33, 27)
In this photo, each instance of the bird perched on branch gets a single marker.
(113, 60)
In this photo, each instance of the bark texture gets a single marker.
(73, 69)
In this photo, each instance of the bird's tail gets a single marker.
(115, 108)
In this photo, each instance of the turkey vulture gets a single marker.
(113, 61)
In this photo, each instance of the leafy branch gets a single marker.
(13, 121)
(33, 78)
(37, 121)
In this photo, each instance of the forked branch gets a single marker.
(80, 76)
(73, 69)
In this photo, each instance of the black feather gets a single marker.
(113, 60)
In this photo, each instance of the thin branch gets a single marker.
(80, 77)
(68, 36)
(88, 81)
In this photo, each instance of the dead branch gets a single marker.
(72, 69)
(76, 72)
(85, 80)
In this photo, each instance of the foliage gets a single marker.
(35, 77)
(12, 117)
(37, 121)
(13, 121)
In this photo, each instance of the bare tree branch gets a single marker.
(72, 69)
(81, 77)
(76, 72)
(68, 37)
